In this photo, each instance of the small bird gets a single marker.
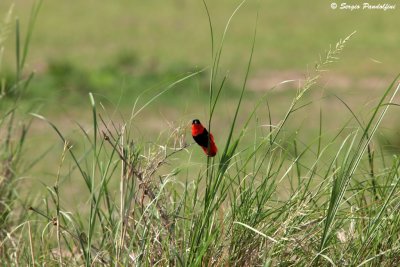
(203, 138)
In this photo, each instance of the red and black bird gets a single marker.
(203, 138)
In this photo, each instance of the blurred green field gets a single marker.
(120, 49)
(131, 50)
(164, 34)
(170, 35)
(128, 50)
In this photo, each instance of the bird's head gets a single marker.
(196, 121)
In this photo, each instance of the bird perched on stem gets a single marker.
(203, 138)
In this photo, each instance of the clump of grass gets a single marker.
(4, 32)
(5, 28)
(70, 78)
(13, 135)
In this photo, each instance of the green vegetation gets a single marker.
(286, 188)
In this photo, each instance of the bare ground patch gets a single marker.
(266, 80)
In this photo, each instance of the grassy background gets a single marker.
(125, 53)
(124, 48)
(120, 51)
(161, 35)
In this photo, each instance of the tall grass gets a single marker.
(263, 202)
(13, 135)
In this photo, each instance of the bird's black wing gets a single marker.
(202, 139)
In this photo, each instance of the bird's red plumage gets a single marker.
(204, 139)
(197, 129)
